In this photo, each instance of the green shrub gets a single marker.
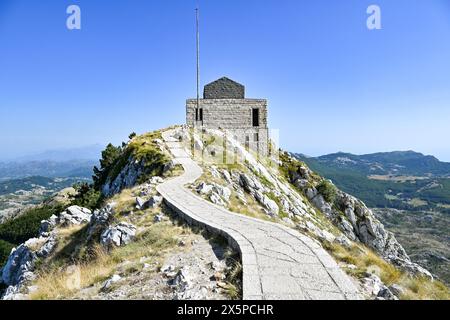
(109, 157)
(26, 226)
(327, 190)
(132, 135)
(17, 231)
(5, 250)
(87, 196)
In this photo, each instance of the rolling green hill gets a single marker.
(401, 180)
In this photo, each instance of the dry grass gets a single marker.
(424, 289)
(61, 283)
(125, 200)
(63, 276)
(366, 261)
(250, 209)
(233, 286)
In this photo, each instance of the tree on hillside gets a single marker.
(109, 157)
(132, 135)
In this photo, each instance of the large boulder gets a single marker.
(204, 188)
(140, 203)
(223, 192)
(153, 202)
(100, 221)
(269, 204)
(119, 235)
(74, 215)
(250, 184)
(48, 225)
(214, 197)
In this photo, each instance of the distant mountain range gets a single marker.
(70, 168)
(402, 179)
(386, 163)
(77, 162)
(91, 152)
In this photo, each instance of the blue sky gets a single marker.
(332, 84)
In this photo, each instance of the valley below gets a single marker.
(425, 235)
(16, 195)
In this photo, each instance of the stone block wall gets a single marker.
(235, 116)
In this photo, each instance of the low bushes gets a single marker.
(327, 190)
(19, 230)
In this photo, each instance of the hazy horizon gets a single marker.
(100, 147)
(332, 84)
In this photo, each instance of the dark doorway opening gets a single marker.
(255, 117)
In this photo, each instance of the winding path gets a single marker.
(278, 262)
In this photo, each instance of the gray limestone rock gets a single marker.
(48, 225)
(153, 202)
(108, 283)
(204, 188)
(21, 261)
(127, 177)
(216, 199)
(397, 290)
(386, 294)
(20, 265)
(74, 215)
(140, 203)
(118, 236)
(223, 192)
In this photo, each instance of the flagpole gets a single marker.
(198, 59)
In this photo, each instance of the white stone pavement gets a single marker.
(278, 262)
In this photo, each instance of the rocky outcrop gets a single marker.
(48, 225)
(74, 216)
(375, 289)
(370, 231)
(217, 194)
(153, 202)
(357, 222)
(119, 235)
(100, 221)
(127, 177)
(18, 271)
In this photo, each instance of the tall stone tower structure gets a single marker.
(225, 107)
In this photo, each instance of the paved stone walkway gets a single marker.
(278, 262)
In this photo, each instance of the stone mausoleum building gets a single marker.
(225, 107)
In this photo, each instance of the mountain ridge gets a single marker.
(395, 162)
(88, 152)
